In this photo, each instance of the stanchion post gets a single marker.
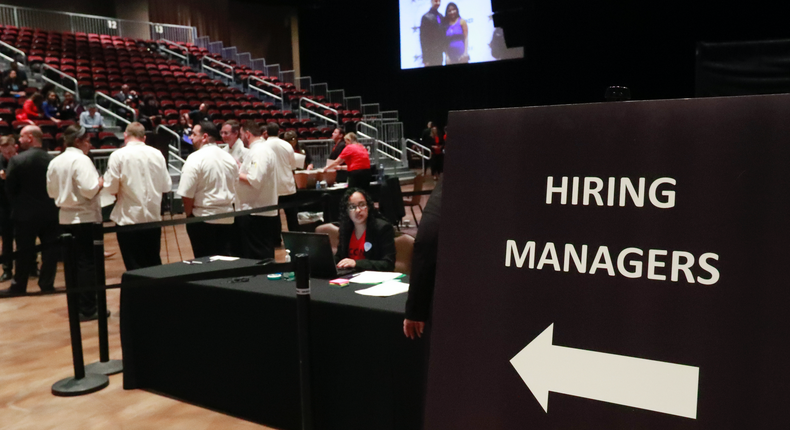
(104, 366)
(302, 267)
(81, 383)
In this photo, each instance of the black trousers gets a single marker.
(8, 237)
(437, 164)
(140, 248)
(210, 239)
(359, 179)
(291, 218)
(86, 266)
(26, 232)
(257, 236)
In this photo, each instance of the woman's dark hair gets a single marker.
(345, 220)
(447, 9)
(37, 98)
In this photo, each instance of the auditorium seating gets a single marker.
(103, 64)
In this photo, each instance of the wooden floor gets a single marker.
(35, 352)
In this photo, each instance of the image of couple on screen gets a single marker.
(444, 38)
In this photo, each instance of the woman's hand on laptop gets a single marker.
(347, 263)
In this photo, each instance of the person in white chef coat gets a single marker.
(137, 175)
(208, 187)
(74, 183)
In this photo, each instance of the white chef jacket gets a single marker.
(260, 165)
(72, 180)
(286, 163)
(138, 175)
(209, 176)
(238, 150)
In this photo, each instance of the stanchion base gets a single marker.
(105, 368)
(76, 387)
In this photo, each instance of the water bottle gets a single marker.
(381, 174)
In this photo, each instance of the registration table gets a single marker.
(231, 345)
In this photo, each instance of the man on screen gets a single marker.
(432, 37)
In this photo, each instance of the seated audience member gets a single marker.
(32, 109)
(200, 115)
(358, 160)
(130, 115)
(122, 95)
(184, 129)
(13, 85)
(91, 119)
(367, 242)
(150, 114)
(70, 109)
(51, 107)
(290, 137)
(19, 72)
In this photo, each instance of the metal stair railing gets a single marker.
(116, 102)
(269, 84)
(174, 152)
(15, 50)
(421, 154)
(183, 57)
(304, 100)
(75, 91)
(378, 143)
(231, 77)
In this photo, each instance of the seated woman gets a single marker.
(367, 242)
(13, 85)
(51, 107)
(32, 109)
(358, 160)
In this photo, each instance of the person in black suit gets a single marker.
(367, 242)
(8, 148)
(432, 37)
(423, 267)
(33, 212)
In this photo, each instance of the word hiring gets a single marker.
(592, 187)
(629, 262)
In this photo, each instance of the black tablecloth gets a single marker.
(232, 346)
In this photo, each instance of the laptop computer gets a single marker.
(319, 250)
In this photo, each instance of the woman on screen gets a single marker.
(367, 242)
(457, 36)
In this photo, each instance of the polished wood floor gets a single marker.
(35, 352)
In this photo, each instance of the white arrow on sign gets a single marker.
(646, 384)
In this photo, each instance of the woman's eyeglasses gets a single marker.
(352, 207)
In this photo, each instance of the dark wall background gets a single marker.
(575, 50)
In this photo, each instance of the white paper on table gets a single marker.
(105, 198)
(299, 160)
(222, 258)
(386, 289)
(373, 277)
